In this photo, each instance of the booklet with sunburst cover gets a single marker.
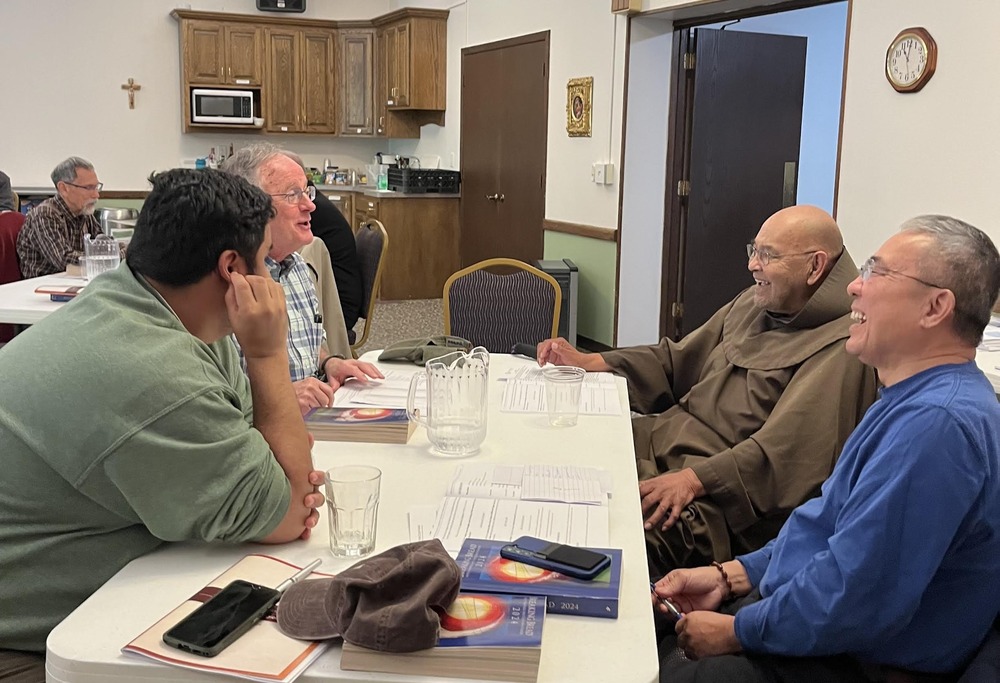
(485, 571)
(492, 637)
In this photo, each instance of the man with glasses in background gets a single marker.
(315, 373)
(52, 235)
(743, 419)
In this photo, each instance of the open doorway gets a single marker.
(754, 126)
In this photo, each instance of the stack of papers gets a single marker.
(564, 504)
(525, 393)
(390, 392)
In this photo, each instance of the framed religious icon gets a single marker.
(579, 93)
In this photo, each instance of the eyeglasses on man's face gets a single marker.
(872, 267)
(765, 255)
(295, 196)
(88, 188)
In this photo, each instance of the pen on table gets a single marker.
(663, 601)
(298, 576)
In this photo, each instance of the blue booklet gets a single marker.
(483, 570)
(484, 636)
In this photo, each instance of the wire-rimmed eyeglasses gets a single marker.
(872, 267)
(765, 255)
(295, 196)
(88, 188)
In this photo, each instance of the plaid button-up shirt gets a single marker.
(52, 237)
(305, 321)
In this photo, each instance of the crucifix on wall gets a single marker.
(132, 87)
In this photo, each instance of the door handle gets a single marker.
(493, 197)
(500, 197)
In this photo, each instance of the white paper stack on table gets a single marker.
(525, 393)
(390, 392)
(560, 503)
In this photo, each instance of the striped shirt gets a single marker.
(305, 322)
(52, 237)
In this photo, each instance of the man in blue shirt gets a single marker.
(891, 573)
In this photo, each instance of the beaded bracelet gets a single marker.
(725, 577)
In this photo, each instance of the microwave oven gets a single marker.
(221, 106)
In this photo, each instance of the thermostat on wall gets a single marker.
(281, 5)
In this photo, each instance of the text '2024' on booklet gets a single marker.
(492, 637)
(263, 653)
(485, 571)
(369, 425)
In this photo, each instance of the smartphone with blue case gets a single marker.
(579, 563)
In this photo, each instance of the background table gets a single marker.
(19, 304)
(84, 648)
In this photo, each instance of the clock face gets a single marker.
(910, 60)
(907, 60)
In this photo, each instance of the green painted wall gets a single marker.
(596, 261)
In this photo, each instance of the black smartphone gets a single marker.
(579, 563)
(223, 618)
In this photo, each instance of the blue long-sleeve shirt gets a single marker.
(897, 561)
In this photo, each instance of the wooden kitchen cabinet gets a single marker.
(365, 207)
(344, 201)
(219, 53)
(356, 81)
(299, 89)
(415, 44)
(383, 77)
(423, 245)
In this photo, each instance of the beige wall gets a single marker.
(64, 62)
(929, 152)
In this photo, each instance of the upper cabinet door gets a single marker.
(415, 53)
(244, 53)
(204, 52)
(356, 81)
(401, 83)
(283, 78)
(318, 103)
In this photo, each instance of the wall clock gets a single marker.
(910, 60)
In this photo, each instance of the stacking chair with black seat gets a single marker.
(373, 242)
(498, 310)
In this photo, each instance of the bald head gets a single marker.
(805, 228)
(796, 248)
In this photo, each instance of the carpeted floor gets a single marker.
(395, 320)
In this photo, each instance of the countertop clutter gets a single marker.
(369, 191)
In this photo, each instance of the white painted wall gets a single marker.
(65, 62)
(645, 170)
(929, 152)
(586, 40)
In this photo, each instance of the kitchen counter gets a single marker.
(369, 191)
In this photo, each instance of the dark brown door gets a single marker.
(503, 146)
(744, 128)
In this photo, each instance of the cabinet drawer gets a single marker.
(367, 206)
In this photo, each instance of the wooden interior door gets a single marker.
(745, 127)
(503, 147)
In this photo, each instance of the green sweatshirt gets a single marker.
(119, 430)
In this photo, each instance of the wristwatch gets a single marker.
(320, 373)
